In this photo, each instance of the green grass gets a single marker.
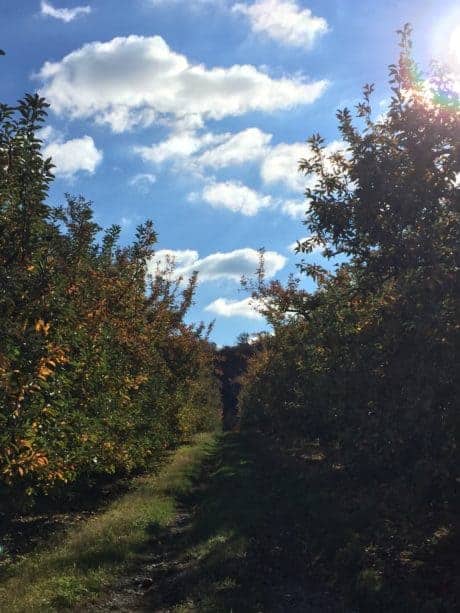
(245, 547)
(272, 532)
(234, 523)
(87, 559)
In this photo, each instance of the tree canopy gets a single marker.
(99, 373)
(367, 365)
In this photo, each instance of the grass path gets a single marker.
(234, 545)
(221, 528)
(233, 524)
(86, 561)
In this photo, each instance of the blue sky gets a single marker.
(194, 113)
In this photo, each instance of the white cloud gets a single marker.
(48, 134)
(137, 80)
(284, 21)
(184, 261)
(278, 165)
(281, 163)
(186, 149)
(74, 155)
(234, 308)
(143, 181)
(64, 14)
(178, 146)
(294, 208)
(248, 145)
(239, 198)
(231, 265)
(236, 197)
(125, 222)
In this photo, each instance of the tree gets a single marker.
(232, 364)
(365, 369)
(370, 359)
(99, 373)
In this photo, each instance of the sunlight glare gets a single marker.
(454, 48)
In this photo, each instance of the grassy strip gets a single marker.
(276, 531)
(246, 547)
(86, 560)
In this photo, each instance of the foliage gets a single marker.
(98, 370)
(79, 566)
(233, 361)
(367, 365)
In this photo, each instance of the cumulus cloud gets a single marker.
(231, 265)
(194, 152)
(281, 164)
(278, 164)
(72, 156)
(143, 181)
(184, 261)
(236, 197)
(295, 208)
(234, 308)
(178, 146)
(48, 134)
(136, 80)
(239, 198)
(284, 21)
(64, 14)
(246, 146)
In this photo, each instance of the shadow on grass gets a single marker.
(269, 532)
(242, 548)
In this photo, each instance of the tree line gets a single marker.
(99, 373)
(366, 366)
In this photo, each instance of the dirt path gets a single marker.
(234, 546)
(156, 570)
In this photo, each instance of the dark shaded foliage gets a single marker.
(233, 361)
(366, 367)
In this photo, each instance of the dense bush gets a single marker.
(369, 361)
(366, 367)
(233, 362)
(98, 371)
